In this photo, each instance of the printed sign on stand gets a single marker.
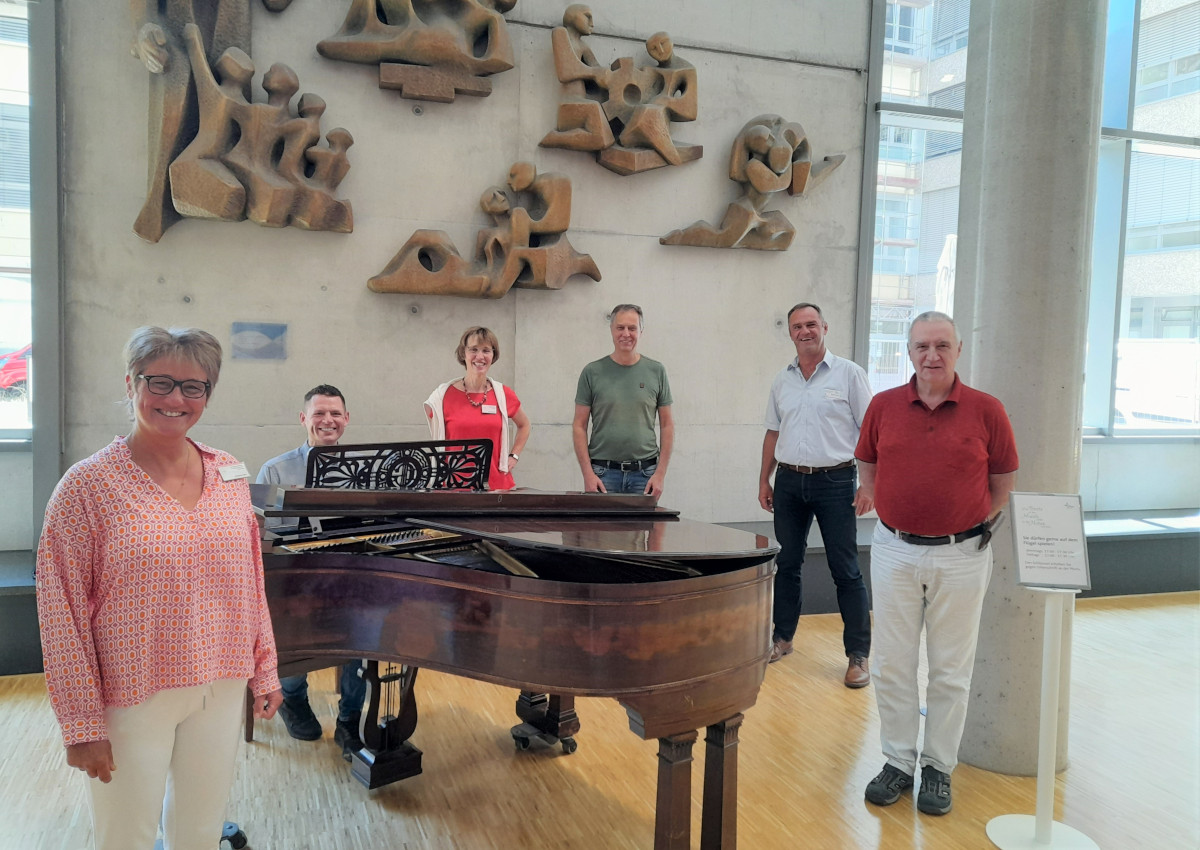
(1048, 538)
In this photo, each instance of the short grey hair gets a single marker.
(932, 316)
(626, 308)
(150, 343)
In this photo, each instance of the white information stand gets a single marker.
(1051, 553)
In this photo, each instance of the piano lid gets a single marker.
(275, 501)
(667, 538)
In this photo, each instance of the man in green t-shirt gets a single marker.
(621, 394)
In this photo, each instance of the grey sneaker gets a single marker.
(887, 787)
(934, 797)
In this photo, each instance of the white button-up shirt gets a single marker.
(818, 418)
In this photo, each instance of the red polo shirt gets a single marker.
(932, 466)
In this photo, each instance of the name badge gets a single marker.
(489, 408)
(833, 394)
(233, 471)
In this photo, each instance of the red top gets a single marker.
(932, 466)
(465, 421)
(137, 595)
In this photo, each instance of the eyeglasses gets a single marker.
(165, 385)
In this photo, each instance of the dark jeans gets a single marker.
(353, 690)
(829, 497)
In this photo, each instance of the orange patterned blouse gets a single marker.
(137, 595)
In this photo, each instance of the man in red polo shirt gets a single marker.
(939, 460)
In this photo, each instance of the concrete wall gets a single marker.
(715, 318)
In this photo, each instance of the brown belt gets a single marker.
(813, 470)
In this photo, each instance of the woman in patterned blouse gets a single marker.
(152, 609)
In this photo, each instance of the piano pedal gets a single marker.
(525, 734)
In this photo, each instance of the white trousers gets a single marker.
(175, 755)
(940, 589)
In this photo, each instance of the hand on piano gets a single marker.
(592, 483)
(265, 706)
(94, 758)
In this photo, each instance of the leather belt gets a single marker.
(813, 470)
(626, 465)
(922, 540)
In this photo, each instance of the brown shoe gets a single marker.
(779, 649)
(857, 674)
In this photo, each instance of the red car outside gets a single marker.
(14, 371)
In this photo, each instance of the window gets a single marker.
(1167, 80)
(1145, 315)
(916, 205)
(16, 327)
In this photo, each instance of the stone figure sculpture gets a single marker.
(526, 246)
(769, 155)
(220, 141)
(253, 160)
(622, 113)
(426, 49)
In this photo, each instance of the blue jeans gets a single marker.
(829, 497)
(353, 690)
(630, 481)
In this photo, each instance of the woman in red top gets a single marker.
(152, 608)
(475, 407)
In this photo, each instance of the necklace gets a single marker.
(486, 387)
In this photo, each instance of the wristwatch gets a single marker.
(514, 456)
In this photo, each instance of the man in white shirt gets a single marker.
(813, 417)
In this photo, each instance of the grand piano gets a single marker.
(557, 595)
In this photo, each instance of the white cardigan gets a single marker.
(437, 420)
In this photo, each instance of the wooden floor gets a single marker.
(807, 750)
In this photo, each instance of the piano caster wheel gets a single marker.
(521, 743)
(569, 745)
(235, 837)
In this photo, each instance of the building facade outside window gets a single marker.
(15, 293)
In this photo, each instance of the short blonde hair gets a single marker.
(485, 335)
(150, 343)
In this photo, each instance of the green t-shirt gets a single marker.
(624, 402)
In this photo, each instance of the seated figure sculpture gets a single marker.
(230, 170)
(426, 49)
(622, 113)
(526, 246)
(174, 111)
(768, 156)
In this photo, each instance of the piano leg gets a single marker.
(718, 823)
(673, 808)
(548, 717)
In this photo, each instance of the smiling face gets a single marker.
(479, 355)
(324, 418)
(933, 348)
(807, 330)
(626, 331)
(167, 416)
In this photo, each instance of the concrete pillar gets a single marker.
(1031, 135)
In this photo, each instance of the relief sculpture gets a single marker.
(623, 113)
(426, 49)
(769, 155)
(526, 246)
(213, 153)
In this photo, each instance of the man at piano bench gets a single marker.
(324, 417)
(816, 406)
(939, 459)
(621, 393)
